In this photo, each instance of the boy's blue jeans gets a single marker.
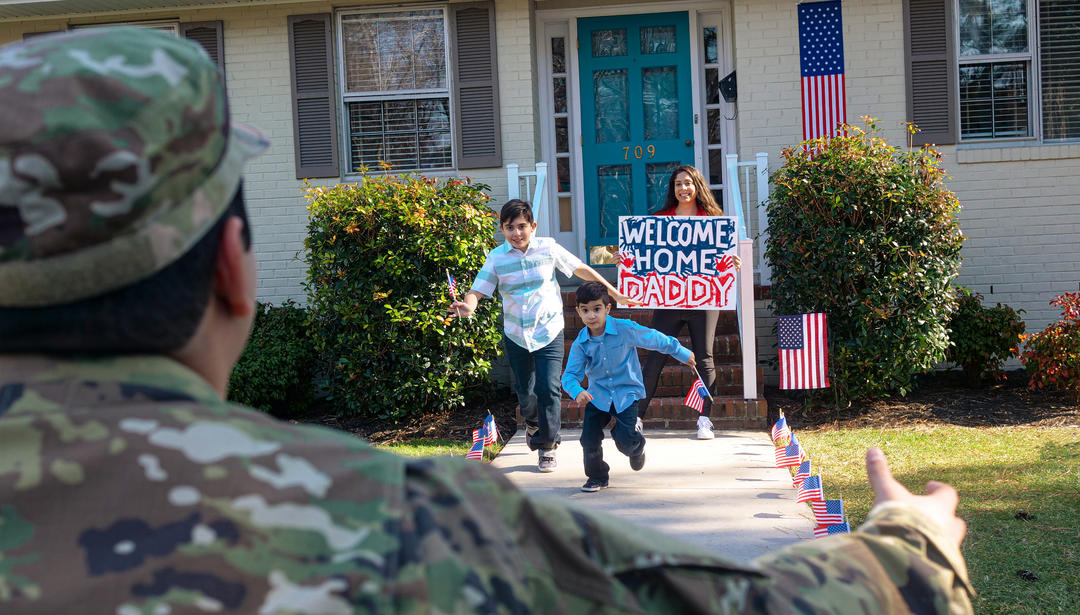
(539, 390)
(627, 438)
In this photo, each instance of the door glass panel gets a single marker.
(657, 178)
(660, 101)
(562, 168)
(566, 215)
(716, 126)
(558, 55)
(616, 197)
(710, 45)
(712, 86)
(716, 166)
(658, 39)
(562, 137)
(612, 109)
(607, 43)
(559, 84)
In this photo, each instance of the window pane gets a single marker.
(710, 45)
(657, 178)
(562, 135)
(716, 167)
(562, 170)
(407, 134)
(559, 86)
(1059, 36)
(660, 102)
(658, 39)
(606, 43)
(558, 55)
(993, 26)
(566, 215)
(403, 50)
(615, 197)
(712, 86)
(993, 100)
(716, 126)
(611, 102)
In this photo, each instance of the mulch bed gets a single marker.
(942, 398)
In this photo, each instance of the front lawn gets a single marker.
(1019, 493)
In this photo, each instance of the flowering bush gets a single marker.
(1052, 356)
(981, 337)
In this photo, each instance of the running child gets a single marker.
(523, 269)
(606, 351)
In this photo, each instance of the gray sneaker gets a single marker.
(547, 461)
(592, 485)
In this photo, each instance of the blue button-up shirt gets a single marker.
(611, 363)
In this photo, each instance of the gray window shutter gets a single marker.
(315, 127)
(209, 35)
(931, 60)
(476, 85)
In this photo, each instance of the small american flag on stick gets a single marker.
(828, 512)
(828, 530)
(452, 283)
(801, 474)
(810, 490)
(788, 456)
(803, 341)
(696, 397)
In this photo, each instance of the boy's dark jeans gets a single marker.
(627, 438)
(539, 390)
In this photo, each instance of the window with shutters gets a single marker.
(395, 88)
(1011, 86)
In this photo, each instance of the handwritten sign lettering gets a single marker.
(678, 261)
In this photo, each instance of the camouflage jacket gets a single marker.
(128, 486)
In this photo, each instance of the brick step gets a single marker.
(669, 413)
(726, 347)
(727, 323)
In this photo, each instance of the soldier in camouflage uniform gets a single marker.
(127, 484)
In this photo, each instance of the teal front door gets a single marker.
(636, 115)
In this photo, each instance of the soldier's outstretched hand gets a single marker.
(939, 503)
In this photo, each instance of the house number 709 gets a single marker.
(639, 152)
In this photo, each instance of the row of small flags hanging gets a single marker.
(829, 514)
(487, 434)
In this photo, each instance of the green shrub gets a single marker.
(377, 255)
(276, 371)
(1052, 356)
(867, 234)
(981, 337)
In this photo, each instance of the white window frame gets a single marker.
(344, 97)
(167, 25)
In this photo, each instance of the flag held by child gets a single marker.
(452, 283)
(696, 397)
(828, 512)
(828, 530)
(803, 340)
(810, 490)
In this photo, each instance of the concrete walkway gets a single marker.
(723, 494)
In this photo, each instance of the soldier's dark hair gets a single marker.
(591, 291)
(152, 316)
(514, 208)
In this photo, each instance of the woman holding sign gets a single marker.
(688, 195)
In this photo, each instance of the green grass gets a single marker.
(437, 448)
(998, 472)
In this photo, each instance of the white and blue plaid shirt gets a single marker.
(532, 303)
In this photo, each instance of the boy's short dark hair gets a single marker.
(513, 209)
(591, 291)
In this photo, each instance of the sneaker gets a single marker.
(639, 426)
(704, 428)
(547, 461)
(638, 461)
(592, 485)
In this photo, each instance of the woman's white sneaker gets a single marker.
(704, 428)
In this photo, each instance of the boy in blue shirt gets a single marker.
(606, 351)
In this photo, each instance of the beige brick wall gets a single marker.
(1021, 206)
(257, 72)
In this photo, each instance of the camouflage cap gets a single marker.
(116, 156)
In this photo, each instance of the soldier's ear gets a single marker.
(234, 270)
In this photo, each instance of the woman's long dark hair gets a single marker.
(702, 193)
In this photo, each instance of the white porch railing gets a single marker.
(539, 201)
(742, 212)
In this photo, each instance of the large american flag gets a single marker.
(803, 341)
(821, 54)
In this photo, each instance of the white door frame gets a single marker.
(568, 20)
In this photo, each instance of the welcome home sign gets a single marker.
(678, 261)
